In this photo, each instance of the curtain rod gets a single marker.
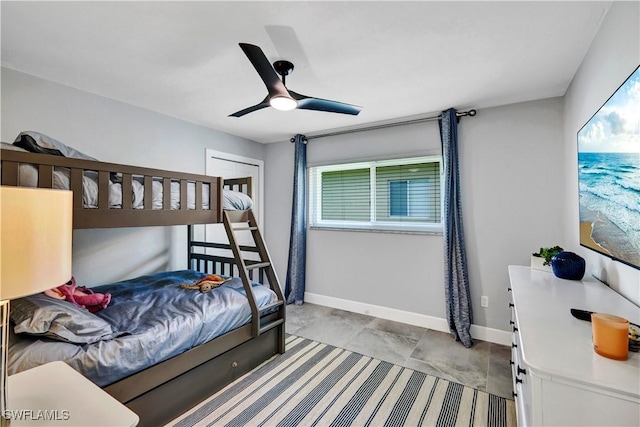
(469, 113)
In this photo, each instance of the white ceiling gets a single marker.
(395, 59)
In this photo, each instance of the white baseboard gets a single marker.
(478, 332)
(496, 336)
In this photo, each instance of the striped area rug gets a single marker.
(315, 384)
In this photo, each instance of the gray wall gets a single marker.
(513, 199)
(613, 56)
(121, 133)
(350, 264)
(511, 163)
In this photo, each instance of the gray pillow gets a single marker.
(7, 146)
(40, 143)
(59, 320)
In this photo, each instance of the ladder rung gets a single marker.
(257, 265)
(270, 325)
(244, 228)
(270, 306)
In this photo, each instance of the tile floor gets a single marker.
(484, 366)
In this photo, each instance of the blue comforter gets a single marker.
(156, 319)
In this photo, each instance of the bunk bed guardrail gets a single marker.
(106, 216)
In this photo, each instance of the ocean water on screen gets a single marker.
(610, 192)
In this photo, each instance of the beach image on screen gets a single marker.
(609, 176)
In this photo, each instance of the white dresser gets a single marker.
(558, 379)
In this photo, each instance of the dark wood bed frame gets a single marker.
(164, 391)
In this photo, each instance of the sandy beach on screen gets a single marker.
(604, 236)
(587, 240)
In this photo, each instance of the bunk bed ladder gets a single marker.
(265, 263)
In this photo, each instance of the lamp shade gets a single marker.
(36, 234)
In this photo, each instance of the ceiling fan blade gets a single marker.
(288, 45)
(265, 70)
(260, 106)
(318, 104)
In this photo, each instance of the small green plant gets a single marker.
(548, 253)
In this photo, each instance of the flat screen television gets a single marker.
(609, 176)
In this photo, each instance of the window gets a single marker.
(406, 198)
(402, 195)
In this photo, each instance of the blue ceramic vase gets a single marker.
(567, 265)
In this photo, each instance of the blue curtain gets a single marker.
(296, 267)
(458, 298)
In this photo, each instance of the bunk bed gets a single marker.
(162, 391)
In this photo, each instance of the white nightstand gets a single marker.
(55, 394)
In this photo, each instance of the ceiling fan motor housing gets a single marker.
(284, 68)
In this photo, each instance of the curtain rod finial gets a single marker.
(304, 139)
(472, 113)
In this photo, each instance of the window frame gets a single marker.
(315, 198)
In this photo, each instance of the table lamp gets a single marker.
(35, 252)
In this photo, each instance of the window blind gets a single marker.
(390, 194)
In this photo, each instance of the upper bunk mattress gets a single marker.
(152, 319)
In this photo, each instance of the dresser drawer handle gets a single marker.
(521, 371)
(518, 381)
(511, 304)
(514, 345)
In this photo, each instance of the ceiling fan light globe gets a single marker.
(283, 103)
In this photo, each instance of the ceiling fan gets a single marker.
(279, 96)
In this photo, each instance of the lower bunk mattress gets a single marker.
(149, 319)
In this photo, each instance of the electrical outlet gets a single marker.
(484, 301)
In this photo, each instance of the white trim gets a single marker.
(386, 226)
(422, 320)
(241, 159)
(496, 336)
